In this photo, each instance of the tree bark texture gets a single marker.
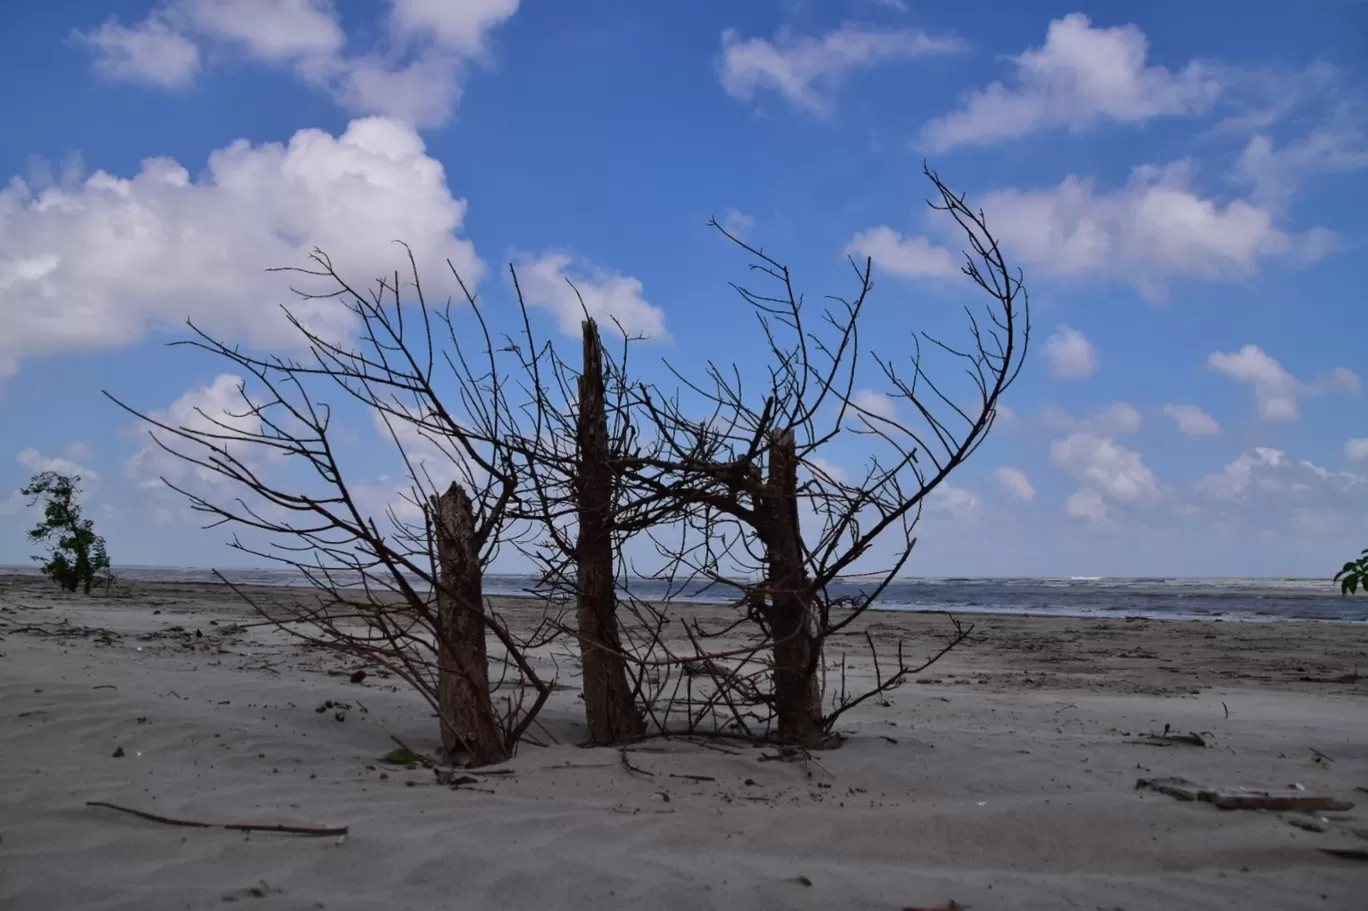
(465, 709)
(609, 702)
(792, 612)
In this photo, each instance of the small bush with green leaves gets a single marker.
(77, 558)
(1354, 575)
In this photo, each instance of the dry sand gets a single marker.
(1003, 779)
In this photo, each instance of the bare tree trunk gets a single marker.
(792, 613)
(609, 703)
(466, 712)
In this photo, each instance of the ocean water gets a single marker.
(1162, 599)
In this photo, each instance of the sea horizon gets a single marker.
(1223, 598)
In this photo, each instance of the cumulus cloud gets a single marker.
(557, 282)
(1356, 449)
(1152, 231)
(1113, 470)
(1112, 474)
(1268, 491)
(68, 464)
(1088, 504)
(414, 73)
(1080, 77)
(1276, 391)
(1015, 482)
(218, 408)
(1192, 420)
(151, 53)
(806, 71)
(1071, 355)
(909, 257)
(100, 261)
(875, 403)
(958, 502)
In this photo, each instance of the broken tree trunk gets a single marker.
(466, 712)
(792, 612)
(609, 701)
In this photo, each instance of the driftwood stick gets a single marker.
(316, 831)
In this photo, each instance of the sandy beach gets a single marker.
(1003, 777)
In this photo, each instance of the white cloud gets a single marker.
(1015, 482)
(36, 462)
(101, 261)
(1116, 419)
(1267, 488)
(876, 404)
(738, 224)
(1356, 449)
(1237, 477)
(463, 27)
(830, 470)
(959, 502)
(1277, 391)
(1078, 78)
(1071, 355)
(1148, 233)
(1274, 173)
(1192, 420)
(1115, 471)
(612, 299)
(806, 71)
(218, 408)
(1087, 503)
(414, 72)
(150, 53)
(905, 256)
(271, 30)
(14, 504)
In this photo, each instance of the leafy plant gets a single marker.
(1354, 574)
(78, 558)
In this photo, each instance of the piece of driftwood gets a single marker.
(1347, 853)
(316, 831)
(1245, 798)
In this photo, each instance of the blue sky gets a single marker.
(1181, 183)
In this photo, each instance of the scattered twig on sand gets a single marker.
(1245, 798)
(693, 777)
(1227, 710)
(1343, 678)
(316, 831)
(1320, 757)
(1170, 737)
(627, 764)
(951, 905)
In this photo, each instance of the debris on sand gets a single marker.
(1245, 798)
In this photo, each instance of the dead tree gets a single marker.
(401, 590)
(609, 699)
(463, 700)
(760, 512)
